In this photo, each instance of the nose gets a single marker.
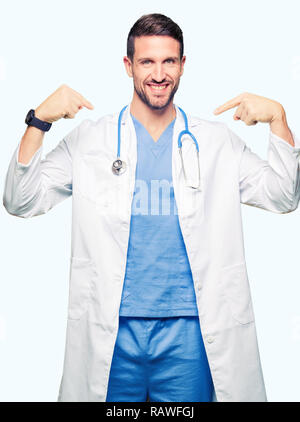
(158, 74)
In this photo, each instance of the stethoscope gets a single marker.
(119, 166)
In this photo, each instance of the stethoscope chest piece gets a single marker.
(118, 167)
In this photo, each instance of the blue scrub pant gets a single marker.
(162, 359)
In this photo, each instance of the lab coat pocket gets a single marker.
(81, 275)
(236, 290)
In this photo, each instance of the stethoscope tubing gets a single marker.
(119, 165)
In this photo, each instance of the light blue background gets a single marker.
(231, 47)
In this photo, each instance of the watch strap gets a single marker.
(38, 123)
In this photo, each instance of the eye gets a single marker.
(170, 60)
(146, 62)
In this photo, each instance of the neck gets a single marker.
(153, 119)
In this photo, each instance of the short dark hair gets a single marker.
(154, 24)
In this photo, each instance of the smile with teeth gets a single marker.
(158, 87)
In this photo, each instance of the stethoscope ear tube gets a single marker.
(184, 172)
(181, 134)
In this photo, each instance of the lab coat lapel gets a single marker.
(129, 148)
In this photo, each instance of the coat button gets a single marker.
(210, 339)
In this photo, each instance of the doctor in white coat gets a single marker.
(210, 217)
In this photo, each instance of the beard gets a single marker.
(147, 100)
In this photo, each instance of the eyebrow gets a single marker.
(148, 58)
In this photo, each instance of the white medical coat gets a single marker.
(211, 225)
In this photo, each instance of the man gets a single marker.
(160, 305)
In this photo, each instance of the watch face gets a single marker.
(29, 116)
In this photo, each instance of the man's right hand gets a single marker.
(65, 102)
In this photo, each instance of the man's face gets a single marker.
(156, 69)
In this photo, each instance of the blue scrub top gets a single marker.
(158, 280)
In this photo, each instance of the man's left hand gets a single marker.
(253, 108)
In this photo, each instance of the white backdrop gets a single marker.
(231, 47)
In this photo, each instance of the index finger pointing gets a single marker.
(228, 105)
(86, 103)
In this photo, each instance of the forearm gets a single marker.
(30, 143)
(280, 128)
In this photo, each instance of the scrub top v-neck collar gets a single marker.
(158, 146)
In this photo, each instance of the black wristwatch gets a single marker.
(31, 120)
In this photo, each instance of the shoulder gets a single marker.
(88, 125)
(209, 128)
(217, 132)
(196, 121)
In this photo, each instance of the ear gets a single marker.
(182, 65)
(128, 66)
